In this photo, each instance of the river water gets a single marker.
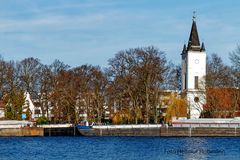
(119, 148)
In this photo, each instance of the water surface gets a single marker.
(119, 148)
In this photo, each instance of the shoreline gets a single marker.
(156, 132)
(164, 132)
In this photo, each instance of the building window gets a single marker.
(196, 99)
(37, 111)
(196, 82)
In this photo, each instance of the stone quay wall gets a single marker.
(61, 131)
(200, 132)
(163, 132)
(21, 132)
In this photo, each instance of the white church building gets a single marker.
(193, 73)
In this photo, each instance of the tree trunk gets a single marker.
(147, 105)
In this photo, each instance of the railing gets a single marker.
(55, 125)
(14, 124)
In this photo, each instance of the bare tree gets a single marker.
(29, 73)
(84, 100)
(124, 84)
(221, 93)
(137, 76)
(98, 84)
(217, 73)
(152, 65)
(13, 95)
(235, 59)
(3, 80)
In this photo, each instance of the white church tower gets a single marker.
(193, 73)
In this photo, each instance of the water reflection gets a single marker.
(200, 148)
(195, 149)
(190, 148)
(121, 148)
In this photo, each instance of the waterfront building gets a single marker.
(194, 72)
(29, 106)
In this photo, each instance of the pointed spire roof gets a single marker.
(193, 38)
(193, 42)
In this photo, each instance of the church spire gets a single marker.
(184, 49)
(193, 42)
(203, 47)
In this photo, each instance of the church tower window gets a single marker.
(196, 82)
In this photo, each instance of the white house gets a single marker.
(35, 110)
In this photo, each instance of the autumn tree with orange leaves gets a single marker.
(220, 103)
(177, 108)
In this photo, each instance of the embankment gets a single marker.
(21, 132)
(163, 132)
(38, 131)
(61, 131)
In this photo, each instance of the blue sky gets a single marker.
(92, 31)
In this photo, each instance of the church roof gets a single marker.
(193, 42)
(193, 38)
